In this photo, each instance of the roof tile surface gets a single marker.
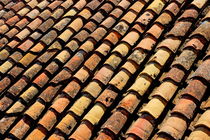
(104, 69)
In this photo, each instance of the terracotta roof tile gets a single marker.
(165, 90)
(22, 126)
(113, 38)
(130, 66)
(54, 4)
(146, 43)
(23, 11)
(115, 122)
(33, 25)
(185, 60)
(199, 133)
(142, 128)
(152, 70)
(82, 136)
(75, 61)
(12, 21)
(52, 67)
(114, 60)
(156, 6)
(49, 93)
(155, 30)
(4, 83)
(195, 89)
(131, 38)
(15, 71)
(92, 62)
(17, 87)
(160, 57)
(120, 79)
(67, 4)
(29, 94)
(104, 75)
(60, 76)
(198, 3)
(48, 120)
(171, 128)
(82, 75)
(121, 28)
(38, 133)
(16, 108)
(173, 7)
(170, 43)
(27, 59)
(104, 136)
(154, 107)
(6, 123)
(67, 124)
(80, 105)
(32, 111)
(5, 2)
(203, 71)
(190, 13)
(202, 30)
(72, 88)
(95, 114)
(41, 80)
(206, 104)
(175, 74)
(93, 88)
(180, 29)
(145, 18)
(129, 103)
(107, 97)
(164, 19)
(203, 120)
(32, 71)
(186, 107)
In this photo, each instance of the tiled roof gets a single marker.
(105, 69)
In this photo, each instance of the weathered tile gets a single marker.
(120, 80)
(95, 114)
(204, 120)
(186, 59)
(129, 102)
(93, 88)
(203, 71)
(199, 133)
(141, 128)
(141, 85)
(80, 105)
(115, 122)
(171, 128)
(38, 133)
(35, 110)
(67, 124)
(185, 106)
(166, 90)
(60, 104)
(48, 120)
(154, 107)
(104, 75)
(22, 126)
(107, 97)
(82, 132)
(174, 74)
